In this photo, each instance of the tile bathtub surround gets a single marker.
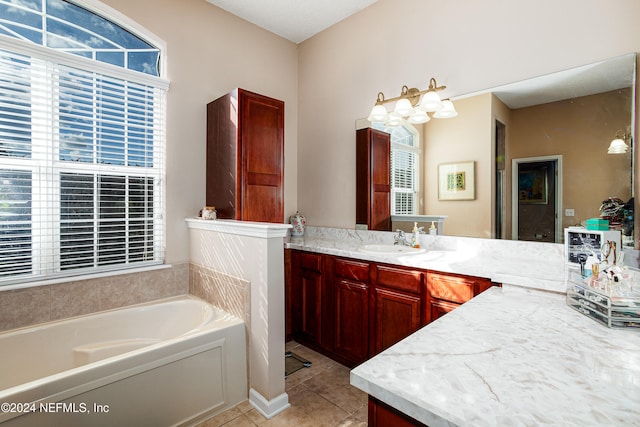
(30, 306)
(511, 357)
(232, 294)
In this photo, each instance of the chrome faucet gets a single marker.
(400, 239)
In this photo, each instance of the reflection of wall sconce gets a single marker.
(409, 105)
(619, 144)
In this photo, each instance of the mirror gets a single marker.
(567, 118)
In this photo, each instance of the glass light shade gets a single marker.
(418, 117)
(617, 146)
(447, 110)
(378, 114)
(430, 102)
(394, 119)
(403, 107)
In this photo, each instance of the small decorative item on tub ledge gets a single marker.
(209, 212)
(298, 222)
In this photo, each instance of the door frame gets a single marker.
(558, 193)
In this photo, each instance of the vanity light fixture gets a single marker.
(409, 105)
(619, 145)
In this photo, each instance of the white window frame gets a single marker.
(46, 243)
(415, 190)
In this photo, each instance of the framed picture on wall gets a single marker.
(532, 186)
(456, 181)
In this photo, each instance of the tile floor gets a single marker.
(319, 396)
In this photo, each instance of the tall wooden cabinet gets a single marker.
(373, 179)
(245, 157)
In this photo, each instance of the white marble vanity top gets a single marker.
(511, 357)
(535, 265)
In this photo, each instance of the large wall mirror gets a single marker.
(539, 153)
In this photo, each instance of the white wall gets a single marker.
(209, 53)
(467, 45)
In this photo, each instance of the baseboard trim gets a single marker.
(269, 408)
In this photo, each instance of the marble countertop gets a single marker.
(511, 357)
(537, 265)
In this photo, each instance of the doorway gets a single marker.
(500, 206)
(536, 184)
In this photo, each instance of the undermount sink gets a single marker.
(381, 249)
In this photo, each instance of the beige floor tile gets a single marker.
(320, 396)
(241, 421)
(352, 422)
(222, 419)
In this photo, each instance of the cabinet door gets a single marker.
(438, 308)
(309, 292)
(262, 140)
(311, 304)
(396, 316)
(351, 321)
(373, 179)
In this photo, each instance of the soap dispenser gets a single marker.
(415, 242)
(433, 230)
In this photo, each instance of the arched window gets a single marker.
(405, 168)
(82, 125)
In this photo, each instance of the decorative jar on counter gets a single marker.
(209, 212)
(298, 222)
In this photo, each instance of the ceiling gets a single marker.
(599, 77)
(295, 20)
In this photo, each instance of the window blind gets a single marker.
(403, 181)
(81, 169)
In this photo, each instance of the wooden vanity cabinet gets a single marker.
(446, 291)
(396, 306)
(245, 157)
(373, 179)
(351, 310)
(382, 415)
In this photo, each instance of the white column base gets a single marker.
(269, 408)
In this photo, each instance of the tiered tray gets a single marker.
(614, 304)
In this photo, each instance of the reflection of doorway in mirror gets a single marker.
(536, 199)
(500, 205)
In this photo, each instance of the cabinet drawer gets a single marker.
(311, 262)
(451, 288)
(439, 308)
(397, 278)
(352, 270)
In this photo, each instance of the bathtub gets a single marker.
(175, 361)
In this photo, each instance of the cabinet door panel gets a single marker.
(396, 316)
(373, 179)
(311, 303)
(262, 133)
(351, 321)
(380, 182)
